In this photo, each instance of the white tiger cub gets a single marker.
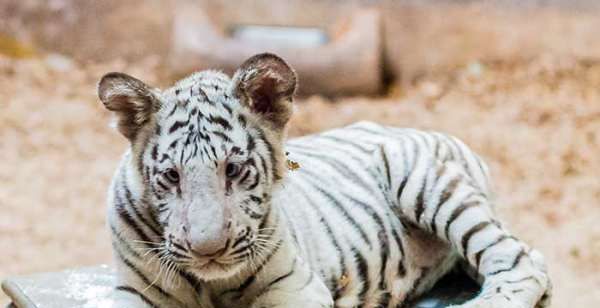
(204, 212)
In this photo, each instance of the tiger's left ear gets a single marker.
(265, 84)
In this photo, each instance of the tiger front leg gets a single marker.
(441, 198)
(515, 287)
(300, 287)
(513, 274)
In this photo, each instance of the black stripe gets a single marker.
(348, 171)
(265, 219)
(411, 293)
(363, 273)
(384, 301)
(177, 256)
(518, 258)
(145, 279)
(252, 214)
(238, 241)
(193, 281)
(127, 218)
(162, 185)
(242, 120)
(165, 156)
(227, 107)
(264, 167)
(330, 235)
(375, 173)
(201, 93)
(256, 199)
(336, 204)
(250, 143)
(214, 152)
(178, 246)
(241, 249)
(311, 277)
(282, 277)
(154, 153)
(522, 280)
(386, 165)
(222, 136)
(420, 202)
(270, 149)
(436, 149)
(467, 236)
(143, 150)
(252, 277)
(137, 213)
(385, 248)
(456, 213)
(401, 268)
(463, 160)
(256, 182)
(448, 191)
(416, 146)
(245, 176)
(494, 243)
(133, 291)
(405, 165)
(220, 121)
(173, 110)
(177, 125)
(124, 243)
(315, 147)
(381, 234)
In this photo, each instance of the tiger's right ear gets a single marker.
(130, 99)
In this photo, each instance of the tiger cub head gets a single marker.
(206, 155)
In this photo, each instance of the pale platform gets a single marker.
(92, 287)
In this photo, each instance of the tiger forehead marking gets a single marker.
(201, 118)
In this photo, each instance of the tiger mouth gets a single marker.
(231, 258)
(215, 269)
(212, 264)
(224, 260)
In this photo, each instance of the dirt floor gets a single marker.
(537, 123)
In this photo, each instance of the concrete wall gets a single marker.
(419, 36)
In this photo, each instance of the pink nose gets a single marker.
(208, 247)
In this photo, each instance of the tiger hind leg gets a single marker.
(442, 199)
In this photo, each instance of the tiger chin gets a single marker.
(204, 213)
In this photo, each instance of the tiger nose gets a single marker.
(207, 247)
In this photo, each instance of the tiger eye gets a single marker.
(232, 170)
(172, 175)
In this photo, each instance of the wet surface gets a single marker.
(92, 287)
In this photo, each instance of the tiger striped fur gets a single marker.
(204, 213)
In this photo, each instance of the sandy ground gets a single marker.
(537, 123)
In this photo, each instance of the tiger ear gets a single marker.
(130, 99)
(265, 84)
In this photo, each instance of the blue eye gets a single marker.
(172, 175)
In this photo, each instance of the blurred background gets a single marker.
(518, 81)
